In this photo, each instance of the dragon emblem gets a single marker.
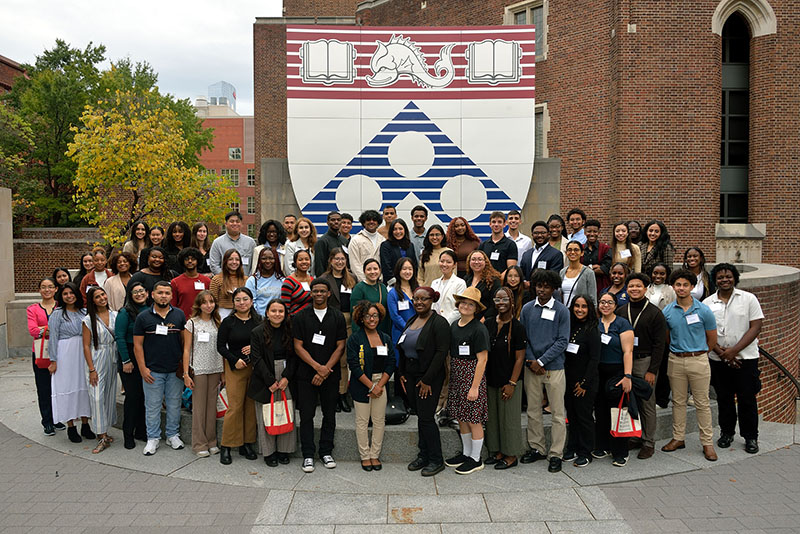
(400, 56)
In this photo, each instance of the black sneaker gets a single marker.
(620, 462)
(470, 466)
(49, 430)
(432, 469)
(531, 456)
(555, 465)
(60, 426)
(417, 464)
(86, 432)
(456, 460)
(582, 461)
(599, 453)
(568, 456)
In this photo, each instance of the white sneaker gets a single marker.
(308, 465)
(203, 454)
(214, 450)
(150, 447)
(175, 442)
(328, 461)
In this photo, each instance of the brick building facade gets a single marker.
(9, 70)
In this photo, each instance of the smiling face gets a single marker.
(422, 302)
(581, 308)
(100, 299)
(47, 289)
(304, 229)
(303, 262)
(208, 305)
(555, 227)
(659, 275)
(266, 260)
(575, 222)
(62, 277)
(591, 233)
(190, 263)
(617, 275)
(156, 236)
(123, 265)
(513, 221)
(693, 259)
(156, 260)
(88, 262)
(446, 264)
(242, 302)
(99, 261)
(725, 280)
(683, 288)
(320, 294)
(276, 313)
(606, 305)
(233, 225)
(435, 237)
(233, 263)
(407, 271)
(334, 221)
(502, 301)
(497, 224)
(574, 252)
(634, 229)
(513, 279)
(539, 234)
(460, 227)
(372, 318)
(177, 234)
(372, 272)
(419, 218)
(477, 262)
(68, 297)
(398, 232)
(621, 233)
(139, 295)
(544, 292)
(653, 233)
(202, 233)
(346, 226)
(339, 262)
(636, 289)
(370, 225)
(140, 231)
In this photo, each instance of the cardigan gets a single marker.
(123, 332)
(586, 284)
(224, 298)
(373, 293)
(115, 290)
(262, 359)
(90, 280)
(390, 253)
(360, 360)
(37, 321)
(433, 345)
(288, 257)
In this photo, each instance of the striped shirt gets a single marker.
(295, 295)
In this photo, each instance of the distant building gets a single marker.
(9, 70)
(222, 94)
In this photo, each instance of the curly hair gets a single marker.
(489, 274)
(112, 262)
(363, 307)
(450, 237)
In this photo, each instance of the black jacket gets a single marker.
(389, 254)
(433, 346)
(554, 259)
(355, 344)
(261, 358)
(640, 389)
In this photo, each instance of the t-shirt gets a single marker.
(163, 346)
(610, 344)
(319, 338)
(503, 346)
(184, 291)
(499, 252)
(468, 340)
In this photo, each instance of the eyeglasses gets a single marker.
(502, 300)
(372, 316)
(139, 292)
(606, 303)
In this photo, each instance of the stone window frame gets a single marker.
(541, 33)
(541, 109)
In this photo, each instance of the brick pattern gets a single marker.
(9, 70)
(319, 8)
(62, 247)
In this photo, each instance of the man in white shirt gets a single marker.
(576, 219)
(734, 359)
(232, 238)
(365, 244)
(523, 242)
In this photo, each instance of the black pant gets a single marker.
(43, 393)
(602, 413)
(328, 395)
(581, 422)
(133, 421)
(737, 388)
(662, 383)
(429, 442)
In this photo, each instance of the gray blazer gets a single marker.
(585, 285)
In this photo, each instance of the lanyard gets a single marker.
(633, 323)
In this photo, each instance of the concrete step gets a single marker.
(400, 441)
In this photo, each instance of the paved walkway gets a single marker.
(49, 484)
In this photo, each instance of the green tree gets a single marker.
(16, 146)
(130, 157)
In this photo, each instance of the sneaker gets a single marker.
(175, 442)
(432, 469)
(60, 426)
(328, 462)
(469, 466)
(582, 461)
(150, 448)
(213, 450)
(620, 462)
(203, 454)
(49, 430)
(555, 464)
(568, 456)
(417, 464)
(308, 465)
(599, 453)
(456, 460)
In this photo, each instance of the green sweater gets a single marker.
(375, 293)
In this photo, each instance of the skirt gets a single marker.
(103, 397)
(462, 372)
(70, 394)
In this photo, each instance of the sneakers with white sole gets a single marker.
(175, 442)
(308, 465)
(213, 450)
(203, 454)
(150, 447)
(328, 461)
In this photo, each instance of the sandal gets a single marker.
(102, 445)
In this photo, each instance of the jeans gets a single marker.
(168, 387)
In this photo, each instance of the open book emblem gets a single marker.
(494, 61)
(327, 61)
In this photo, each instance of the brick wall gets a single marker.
(37, 251)
(319, 8)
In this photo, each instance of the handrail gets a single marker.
(782, 368)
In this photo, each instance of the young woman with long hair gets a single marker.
(154, 268)
(178, 238)
(133, 422)
(372, 290)
(305, 237)
(695, 261)
(514, 279)
(225, 283)
(99, 273)
(397, 245)
(656, 246)
(624, 250)
(296, 288)
(272, 234)
(38, 314)
(433, 245)
(139, 239)
(482, 276)
(201, 242)
(462, 240)
(266, 282)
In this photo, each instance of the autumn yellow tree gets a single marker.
(129, 152)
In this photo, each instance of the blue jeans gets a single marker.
(169, 387)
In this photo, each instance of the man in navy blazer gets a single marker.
(542, 255)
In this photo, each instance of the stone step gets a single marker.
(400, 441)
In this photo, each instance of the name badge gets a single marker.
(573, 348)
(402, 338)
(382, 350)
(605, 339)
(200, 286)
(541, 265)
(402, 305)
(635, 341)
(345, 250)
(305, 286)
(345, 289)
(625, 253)
(318, 339)
(162, 330)
(245, 260)
(463, 350)
(203, 337)
(692, 318)
(548, 314)
(495, 256)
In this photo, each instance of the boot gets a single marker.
(343, 401)
(225, 456)
(86, 431)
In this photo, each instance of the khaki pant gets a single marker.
(239, 425)
(204, 411)
(556, 385)
(344, 380)
(694, 372)
(376, 409)
(647, 407)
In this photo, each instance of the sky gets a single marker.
(191, 45)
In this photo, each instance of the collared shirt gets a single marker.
(243, 244)
(535, 255)
(523, 242)
(547, 330)
(687, 329)
(499, 252)
(733, 321)
(162, 352)
(417, 242)
(577, 236)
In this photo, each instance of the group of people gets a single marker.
(455, 323)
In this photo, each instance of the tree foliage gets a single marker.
(130, 153)
(16, 146)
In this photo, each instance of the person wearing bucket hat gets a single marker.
(467, 399)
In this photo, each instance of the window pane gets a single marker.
(738, 128)
(538, 131)
(739, 102)
(521, 17)
(737, 153)
(737, 207)
(538, 22)
(722, 154)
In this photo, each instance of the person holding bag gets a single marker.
(274, 363)
(370, 356)
(38, 314)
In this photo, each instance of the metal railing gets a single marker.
(782, 369)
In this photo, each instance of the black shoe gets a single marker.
(271, 460)
(432, 469)
(377, 467)
(492, 459)
(129, 442)
(140, 437)
(72, 434)
(417, 464)
(60, 426)
(225, 456)
(367, 467)
(568, 456)
(503, 465)
(751, 446)
(86, 432)
(283, 458)
(532, 455)
(345, 405)
(456, 460)
(555, 465)
(339, 404)
(725, 441)
(470, 466)
(248, 451)
(49, 430)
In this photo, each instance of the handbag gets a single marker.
(396, 413)
(623, 425)
(278, 415)
(41, 353)
(222, 403)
